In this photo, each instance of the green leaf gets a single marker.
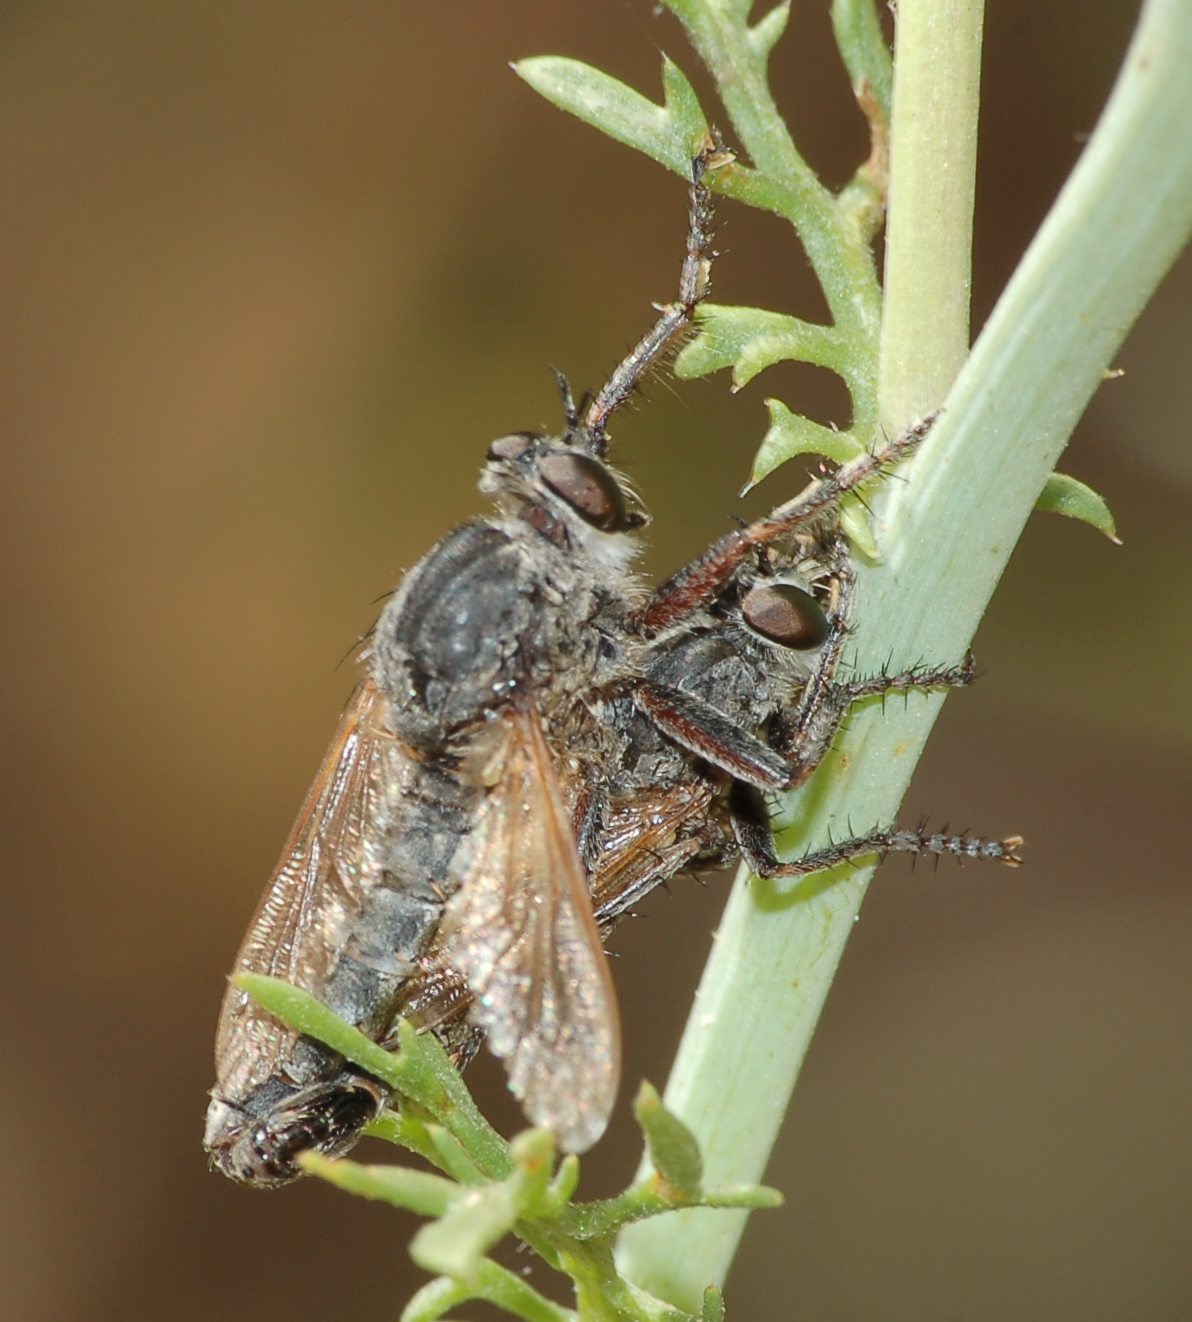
(790, 434)
(766, 32)
(432, 1080)
(1065, 495)
(427, 1140)
(735, 12)
(565, 1183)
(427, 1073)
(419, 1069)
(672, 1146)
(416, 1191)
(858, 528)
(749, 340)
(493, 1284)
(688, 121)
(301, 1011)
(671, 133)
(863, 48)
(435, 1300)
(456, 1244)
(755, 1197)
(533, 1152)
(713, 1309)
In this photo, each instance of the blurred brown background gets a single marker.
(272, 277)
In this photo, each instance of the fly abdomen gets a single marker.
(259, 1143)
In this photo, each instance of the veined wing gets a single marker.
(521, 931)
(645, 839)
(332, 858)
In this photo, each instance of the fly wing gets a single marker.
(521, 931)
(331, 860)
(645, 839)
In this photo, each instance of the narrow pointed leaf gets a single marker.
(790, 435)
(672, 1146)
(416, 1191)
(749, 340)
(858, 528)
(435, 1300)
(456, 1244)
(301, 1011)
(669, 134)
(766, 32)
(713, 1309)
(1070, 497)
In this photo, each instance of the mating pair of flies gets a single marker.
(538, 741)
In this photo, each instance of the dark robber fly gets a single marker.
(537, 743)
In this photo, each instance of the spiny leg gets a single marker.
(915, 677)
(823, 707)
(826, 701)
(801, 746)
(696, 725)
(701, 581)
(752, 829)
(694, 281)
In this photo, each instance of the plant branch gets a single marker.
(947, 534)
(929, 225)
(496, 1188)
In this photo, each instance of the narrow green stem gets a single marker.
(947, 534)
(500, 1287)
(718, 31)
(929, 225)
(844, 267)
(863, 48)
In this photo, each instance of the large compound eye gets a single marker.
(512, 446)
(589, 488)
(785, 614)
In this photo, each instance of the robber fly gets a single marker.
(729, 690)
(537, 743)
(440, 808)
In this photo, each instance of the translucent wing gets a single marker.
(646, 838)
(520, 929)
(328, 866)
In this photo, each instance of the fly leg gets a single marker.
(694, 282)
(751, 826)
(805, 738)
(756, 767)
(800, 746)
(701, 581)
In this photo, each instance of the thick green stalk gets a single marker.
(946, 534)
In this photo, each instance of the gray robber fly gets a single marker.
(538, 742)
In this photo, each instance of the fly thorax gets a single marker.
(447, 647)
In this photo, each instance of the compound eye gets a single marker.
(785, 614)
(589, 488)
(512, 446)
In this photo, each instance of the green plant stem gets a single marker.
(492, 1283)
(929, 223)
(947, 533)
(732, 51)
(719, 34)
(862, 46)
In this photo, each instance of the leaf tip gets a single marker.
(1066, 495)
(672, 1146)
